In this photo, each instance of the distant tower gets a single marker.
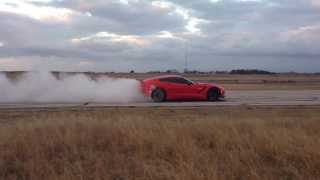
(186, 56)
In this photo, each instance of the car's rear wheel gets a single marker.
(158, 95)
(213, 94)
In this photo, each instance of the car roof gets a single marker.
(163, 76)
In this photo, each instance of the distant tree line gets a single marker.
(169, 71)
(250, 71)
(236, 71)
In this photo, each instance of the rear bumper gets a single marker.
(147, 90)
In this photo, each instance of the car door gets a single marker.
(180, 88)
(191, 90)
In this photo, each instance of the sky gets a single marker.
(146, 35)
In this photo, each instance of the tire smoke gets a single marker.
(44, 87)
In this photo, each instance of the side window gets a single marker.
(182, 81)
(175, 80)
(169, 79)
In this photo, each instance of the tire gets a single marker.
(213, 94)
(158, 95)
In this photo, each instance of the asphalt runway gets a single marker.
(233, 98)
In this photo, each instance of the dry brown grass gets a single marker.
(270, 86)
(161, 143)
(229, 81)
(262, 82)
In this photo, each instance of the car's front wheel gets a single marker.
(213, 94)
(158, 95)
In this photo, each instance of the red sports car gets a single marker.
(174, 87)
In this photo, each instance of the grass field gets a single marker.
(230, 82)
(161, 143)
(249, 82)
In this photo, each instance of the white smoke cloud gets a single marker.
(44, 87)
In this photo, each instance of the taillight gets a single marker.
(222, 92)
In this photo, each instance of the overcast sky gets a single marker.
(145, 35)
